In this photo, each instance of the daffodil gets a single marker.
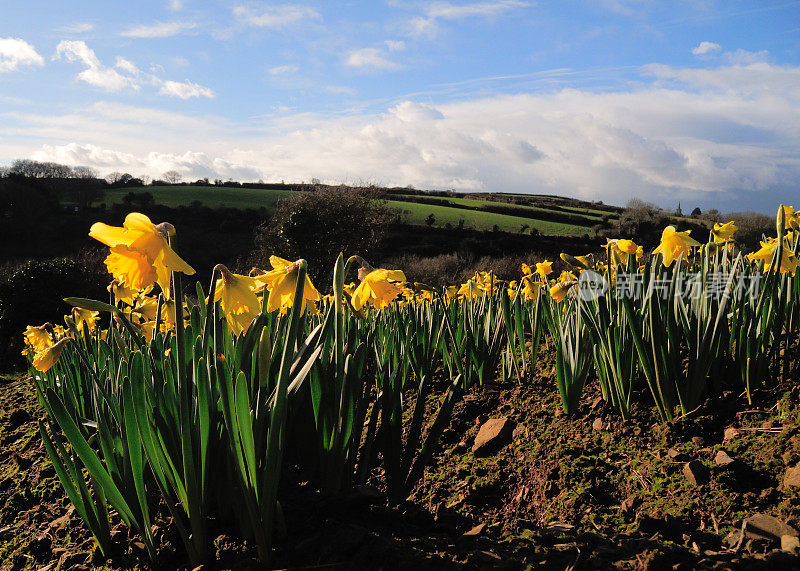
(236, 294)
(124, 293)
(530, 288)
(512, 289)
(473, 287)
(85, 319)
(377, 288)
(723, 232)
(281, 282)
(580, 262)
(544, 269)
(140, 253)
(788, 262)
(37, 338)
(675, 245)
(619, 249)
(791, 219)
(560, 289)
(44, 359)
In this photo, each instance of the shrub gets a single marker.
(32, 293)
(317, 225)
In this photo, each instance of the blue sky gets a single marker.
(606, 100)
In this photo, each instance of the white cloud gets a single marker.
(395, 45)
(427, 25)
(110, 79)
(158, 30)
(127, 66)
(275, 16)
(370, 59)
(706, 48)
(175, 5)
(448, 11)
(282, 69)
(96, 74)
(727, 138)
(77, 28)
(16, 52)
(185, 90)
(744, 57)
(194, 165)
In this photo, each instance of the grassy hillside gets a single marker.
(415, 213)
(445, 211)
(212, 196)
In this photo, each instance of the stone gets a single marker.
(790, 543)
(696, 472)
(764, 526)
(493, 435)
(730, 434)
(676, 455)
(475, 531)
(598, 424)
(792, 477)
(722, 458)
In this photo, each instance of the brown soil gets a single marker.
(586, 492)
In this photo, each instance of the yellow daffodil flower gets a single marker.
(544, 269)
(37, 338)
(560, 289)
(140, 253)
(675, 245)
(723, 232)
(236, 294)
(788, 262)
(85, 318)
(791, 220)
(281, 283)
(44, 360)
(377, 288)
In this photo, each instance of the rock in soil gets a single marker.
(696, 472)
(722, 458)
(493, 435)
(792, 477)
(790, 543)
(764, 526)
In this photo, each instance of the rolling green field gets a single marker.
(211, 196)
(413, 213)
(593, 216)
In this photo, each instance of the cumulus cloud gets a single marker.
(132, 78)
(725, 138)
(427, 25)
(185, 90)
(158, 30)
(706, 48)
(193, 165)
(95, 74)
(370, 59)
(15, 53)
(275, 16)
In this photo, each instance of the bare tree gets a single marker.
(113, 177)
(84, 172)
(36, 169)
(172, 177)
